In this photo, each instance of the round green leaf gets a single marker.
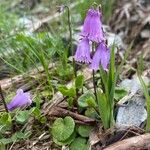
(84, 130)
(83, 99)
(91, 113)
(91, 102)
(79, 144)
(5, 119)
(68, 141)
(23, 116)
(71, 92)
(62, 129)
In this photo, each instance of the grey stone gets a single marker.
(132, 112)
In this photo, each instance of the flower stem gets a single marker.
(3, 99)
(94, 4)
(93, 74)
(70, 34)
(94, 84)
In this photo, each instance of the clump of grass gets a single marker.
(145, 90)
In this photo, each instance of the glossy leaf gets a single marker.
(84, 130)
(67, 92)
(85, 98)
(66, 142)
(91, 102)
(79, 144)
(23, 116)
(91, 113)
(62, 129)
(5, 119)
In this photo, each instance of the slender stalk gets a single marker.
(94, 4)
(93, 74)
(94, 84)
(3, 99)
(71, 47)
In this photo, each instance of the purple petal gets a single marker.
(96, 60)
(96, 32)
(83, 51)
(86, 26)
(92, 27)
(105, 57)
(101, 56)
(20, 100)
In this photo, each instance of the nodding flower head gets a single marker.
(92, 28)
(83, 51)
(20, 100)
(101, 56)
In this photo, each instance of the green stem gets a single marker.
(94, 4)
(93, 75)
(3, 99)
(71, 47)
(94, 84)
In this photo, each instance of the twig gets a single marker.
(3, 99)
(60, 112)
(7, 83)
(137, 142)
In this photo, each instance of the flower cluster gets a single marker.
(92, 32)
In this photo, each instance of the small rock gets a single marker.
(145, 33)
(132, 113)
(133, 85)
(114, 39)
(26, 22)
(145, 2)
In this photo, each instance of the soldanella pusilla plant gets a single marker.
(94, 51)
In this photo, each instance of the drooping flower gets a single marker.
(83, 51)
(92, 28)
(86, 26)
(101, 56)
(21, 99)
